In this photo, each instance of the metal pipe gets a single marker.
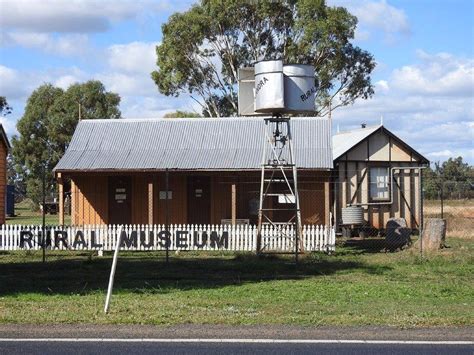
(112, 271)
(298, 229)
(421, 212)
(262, 183)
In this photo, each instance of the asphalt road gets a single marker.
(63, 347)
(218, 339)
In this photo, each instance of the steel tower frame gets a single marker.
(279, 168)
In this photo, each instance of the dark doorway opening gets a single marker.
(120, 200)
(199, 199)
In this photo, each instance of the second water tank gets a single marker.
(300, 89)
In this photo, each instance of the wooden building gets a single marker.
(118, 171)
(4, 149)
(378, 171)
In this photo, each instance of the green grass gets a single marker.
(24, 215)
(351, 287)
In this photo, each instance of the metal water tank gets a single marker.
(269, 87)
(352, 215)
(300, 89)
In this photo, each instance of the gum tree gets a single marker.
(203, 48)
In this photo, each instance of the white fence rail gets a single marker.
(157, 237)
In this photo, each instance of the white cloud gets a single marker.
(135, 57)
(66, 77)
(382, 85)
(440, 74)
(126, 71)
(155, 106)
(65, 45)
(12, 83)
(79, 16)
(376, 16)
(431, 109)
(442, 153)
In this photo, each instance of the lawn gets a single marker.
(350, 287)
(24, 215)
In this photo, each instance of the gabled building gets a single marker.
(118, 172)
(378, 171)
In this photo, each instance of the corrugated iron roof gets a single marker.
(189, 144)
(344, 141)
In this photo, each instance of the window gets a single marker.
(379, 183)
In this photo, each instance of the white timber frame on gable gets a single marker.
(369, 151)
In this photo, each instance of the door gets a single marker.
(120, 200)
(199, 199)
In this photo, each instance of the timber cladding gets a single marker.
(3, 180)
(380, 150)
(203, 198)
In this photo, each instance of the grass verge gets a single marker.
(351, 287)
(24, 215)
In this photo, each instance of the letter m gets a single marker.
(222, 242)
(129, 241)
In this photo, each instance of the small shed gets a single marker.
(378, 171)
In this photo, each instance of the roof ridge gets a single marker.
(360, 129)
(199, 119)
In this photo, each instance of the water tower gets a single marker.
(278, 91)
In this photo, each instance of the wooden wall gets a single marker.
(89, 200)
(352, 183)
(3, 181)
(177, 205)
(90, 197)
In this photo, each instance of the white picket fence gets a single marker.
(156, 237)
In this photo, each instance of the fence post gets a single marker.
(43, 212)
(421, 212)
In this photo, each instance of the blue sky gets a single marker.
(424, 79)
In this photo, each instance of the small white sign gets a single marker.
(163, 195)
(286, 198)
(119, 197)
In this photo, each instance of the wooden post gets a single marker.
(327, 202)
(234, 204)
(150, 202)
(61, 199)
(74, 199)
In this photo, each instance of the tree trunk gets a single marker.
(434, 234)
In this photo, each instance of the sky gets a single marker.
(424, 49)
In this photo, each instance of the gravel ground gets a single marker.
(223, 331)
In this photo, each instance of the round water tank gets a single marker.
(269, 95)
(352, 215)
(300, 88)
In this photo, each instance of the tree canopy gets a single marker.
(181, 114)
(5, 108)
(454, 179)
(46, 127)
(203, 48)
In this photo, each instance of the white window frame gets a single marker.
(379, 183)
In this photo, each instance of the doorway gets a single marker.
(199, 199)
(120, 200)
